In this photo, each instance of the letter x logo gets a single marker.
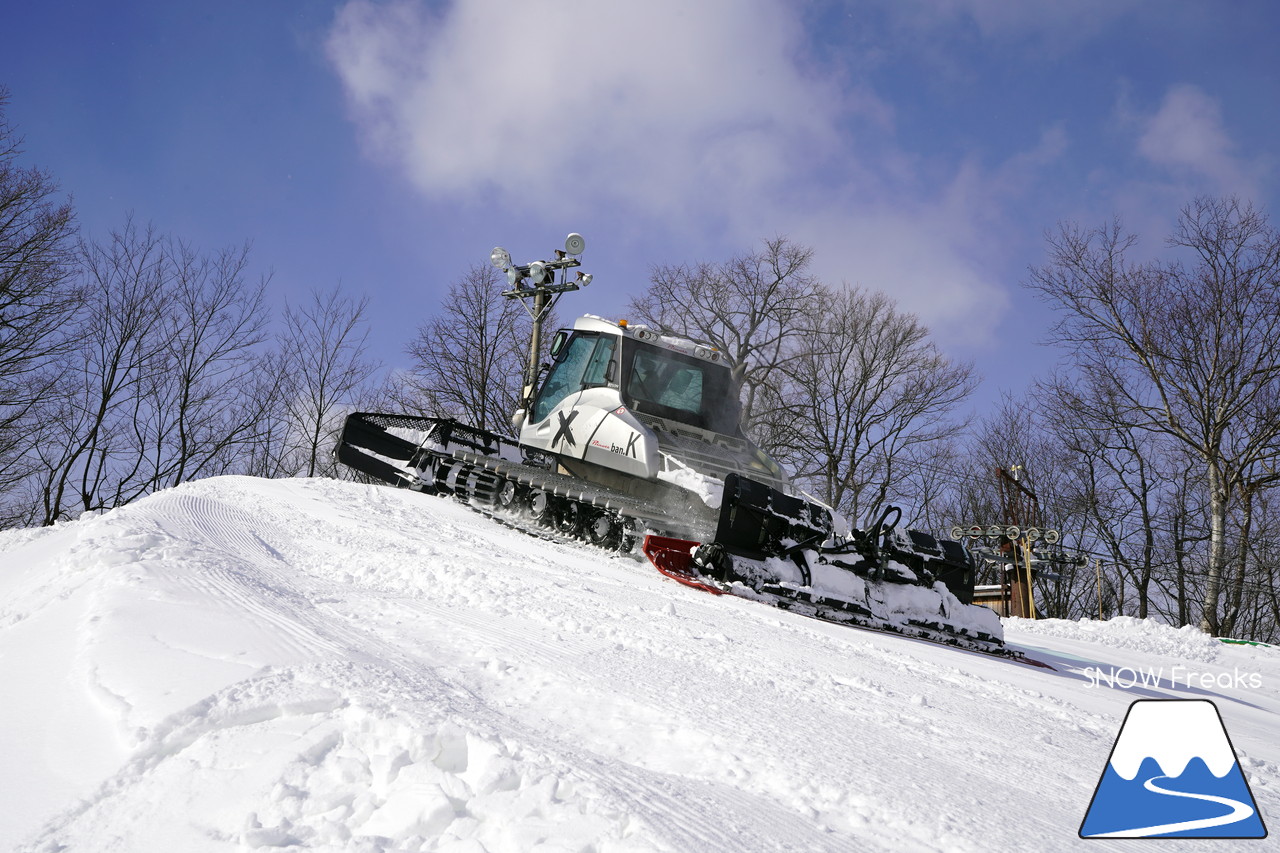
(565, 432)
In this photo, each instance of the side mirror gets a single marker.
(558, 342)
(611, 371)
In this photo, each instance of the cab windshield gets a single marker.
(585, 362)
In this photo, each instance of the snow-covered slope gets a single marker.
(238, 664)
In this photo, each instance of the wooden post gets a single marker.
(1017, 596)
(1097, 568)
(1026, 561)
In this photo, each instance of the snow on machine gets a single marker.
(630, 436)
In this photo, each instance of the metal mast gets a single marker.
(536, 282)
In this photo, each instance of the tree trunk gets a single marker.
(1217, 549)
(1235, 602)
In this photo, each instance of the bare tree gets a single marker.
(96, 452)
(468, 359)
(1258, 617)
(863, 390)
(751, 307)
(938, 474)
(325, 373)
(38, 298)
(1189, 352)
(1122, 478)
(210, 401)
(165, 382)
(273, 450)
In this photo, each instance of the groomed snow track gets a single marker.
(241, 664)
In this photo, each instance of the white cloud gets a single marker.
(703, 117)
(915, 257)
(942, 254)
(638, 102)
(1187, 136)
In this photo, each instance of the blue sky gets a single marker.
(921, 148)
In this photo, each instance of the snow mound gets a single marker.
(1127, 632)
(240, 664)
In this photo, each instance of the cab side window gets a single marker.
(684, 390)
(665, 383)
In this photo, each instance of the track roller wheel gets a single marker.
(507, 495)
(629, 534)
(568, 517)
(604, 530)
(539, 504)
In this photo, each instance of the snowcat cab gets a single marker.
(622, 398)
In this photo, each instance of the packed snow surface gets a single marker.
(305, 664)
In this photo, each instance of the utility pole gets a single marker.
(536, 281)
(1021, 510)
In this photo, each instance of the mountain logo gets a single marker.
(1172, 774)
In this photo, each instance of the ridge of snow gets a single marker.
(318, 665)
(1128, 632)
